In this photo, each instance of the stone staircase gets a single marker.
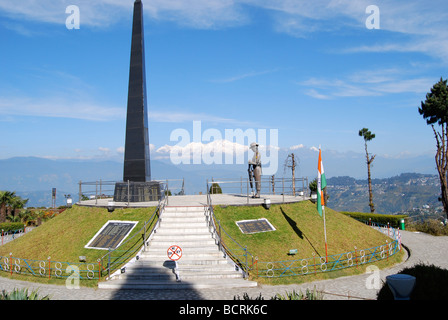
(201, 266)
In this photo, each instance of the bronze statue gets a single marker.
(255, 170)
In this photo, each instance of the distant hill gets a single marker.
(400, 193)
(34, 178)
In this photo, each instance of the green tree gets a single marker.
(9, 203)
(435, 111)
(5, 200)
(367, 135)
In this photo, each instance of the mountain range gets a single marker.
(34, 177)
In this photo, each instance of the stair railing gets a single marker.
(231, 248)
(114, 259)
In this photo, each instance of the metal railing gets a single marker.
(102, 189)
(112, 261)
(318, 264)
(269, 186)
(240, 256)
(131, 247)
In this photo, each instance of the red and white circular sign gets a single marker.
(174, 253)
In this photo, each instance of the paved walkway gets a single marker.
(423, 248)
(200, 200)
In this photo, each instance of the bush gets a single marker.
(431, 226)
(431, 283)
(11, 226)
(215, 188)
(21, 294)
(294, 295)
(394, 220)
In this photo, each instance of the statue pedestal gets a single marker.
(138, 191)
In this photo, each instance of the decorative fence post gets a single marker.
(49, 268)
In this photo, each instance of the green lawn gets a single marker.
(298, 226)
(63, 238)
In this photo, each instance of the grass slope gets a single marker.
(63, 238)
(298, 226)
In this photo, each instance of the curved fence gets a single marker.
(318, 264)
(115, 259)
(8, 236)
(270, 269)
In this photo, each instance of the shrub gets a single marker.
(21, 294)
(11, 226)
(431, 283)
(431, 226)
(294, 295)
(394, 220)
(215, 188)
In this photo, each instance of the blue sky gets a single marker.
(310, 69)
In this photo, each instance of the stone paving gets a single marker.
(423, 248)
(199, 200)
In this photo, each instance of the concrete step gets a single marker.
(202, 265)
(181, 229)
(198, 284)
(166, 242)
(185, 209)
(182, 219)
(191, 276)
(175, 238)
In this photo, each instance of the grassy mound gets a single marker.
(299, 226)
(63, 237)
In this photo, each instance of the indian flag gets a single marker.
(321, 184)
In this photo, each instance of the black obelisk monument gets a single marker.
(137, 185)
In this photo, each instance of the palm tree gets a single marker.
(16, 203)
(5, 200)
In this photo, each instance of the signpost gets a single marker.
(175, 253)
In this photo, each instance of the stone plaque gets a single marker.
(111, 235)
(255, 226)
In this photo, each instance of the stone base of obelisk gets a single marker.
(137, 191)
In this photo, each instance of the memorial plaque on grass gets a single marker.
(111, 235)
(255, 226)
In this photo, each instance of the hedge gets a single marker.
(394, 220)
(11, 226)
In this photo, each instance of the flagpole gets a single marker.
(321, 184)
(325, 235)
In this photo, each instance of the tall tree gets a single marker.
(367, 135)
(435, 110)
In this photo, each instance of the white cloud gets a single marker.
(59, 107)
(296, 147)
(101, 13)
(418, 20)
(173, 116)
(243, 76)
(367, 83)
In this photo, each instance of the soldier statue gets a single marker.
(255, 170)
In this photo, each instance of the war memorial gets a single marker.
(182, 244)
